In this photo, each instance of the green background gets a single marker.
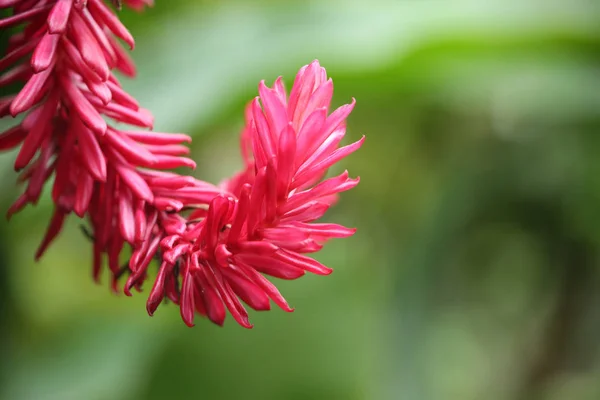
(474, 272)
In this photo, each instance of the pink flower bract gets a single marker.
(264, 223)
(107, 174)
(215, 244)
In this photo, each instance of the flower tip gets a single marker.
(127, 290)
(18, 167)
(285, 307)
(15, 109)
(55, 30)
(100, 175)
(263, 307)
(99, 126)
(147, 118)
(151, 307)
(242, 320)
(38, 67)
(186, 138)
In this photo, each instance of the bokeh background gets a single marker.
(475, 270)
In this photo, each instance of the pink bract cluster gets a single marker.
(265, 221)
(111, 175)
(214, 243)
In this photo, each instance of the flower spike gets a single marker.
(215, 243)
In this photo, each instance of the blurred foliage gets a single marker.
(474, 273)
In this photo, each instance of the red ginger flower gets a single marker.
(264, 223)
(98, 169)
(259, 222)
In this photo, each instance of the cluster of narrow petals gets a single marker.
(65, 54)
(214, 243)
(264, 223)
